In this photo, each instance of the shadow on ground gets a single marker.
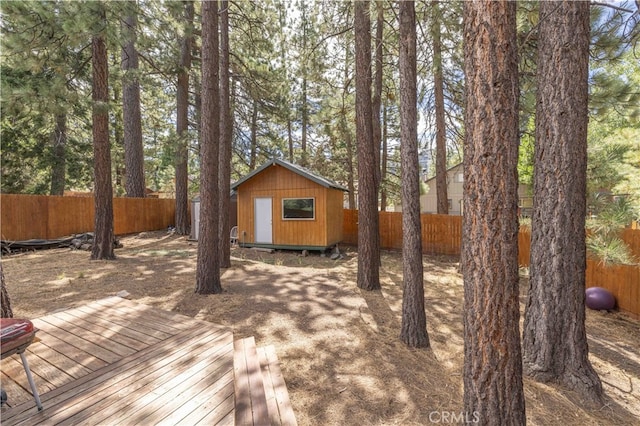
(338, 346)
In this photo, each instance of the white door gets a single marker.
(262, 214)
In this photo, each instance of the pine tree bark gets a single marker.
(133, 149)
(253, 153)
(117, 129)
(182, 219)
(103, 188)
(384, 158)
(208, 264)
(414, 322)
(226, 134)
(441, 143)
(346, 133)
(368, 233)
(304, 108)
(554, 340)
(493, 389)
(58, 168)
(376, 100)
(5, 300)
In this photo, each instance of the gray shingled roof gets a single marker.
(295, 169)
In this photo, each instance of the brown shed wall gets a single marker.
(277, 183)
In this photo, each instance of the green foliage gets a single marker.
(614, 138)
(275, 46)
(603, 241)
(609, 250)
(525, 155)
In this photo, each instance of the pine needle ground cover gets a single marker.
(338, 346)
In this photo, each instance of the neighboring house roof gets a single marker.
(295, 169)
(448, 170)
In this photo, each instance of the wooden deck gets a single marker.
(118, 362)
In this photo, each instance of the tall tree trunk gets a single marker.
(103, 189)
(5, 300)
(441, 144)
(58, 169)
(305, 123)
(414, 322)
(283, 57)
(254, 136)
(290, 139)
(346, 134)
(117, 129)
(384, 159)
(182, 219)
(555, 341)
(226, 134)
(133, 150)
(368, 237)
(376, 99)
(493, 390)
(304, 100)
(208, 265)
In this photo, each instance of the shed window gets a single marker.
(299, 208)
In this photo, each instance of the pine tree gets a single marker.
(368, 233)
(438, 84)
(103, 191)
(133, 150)
(414, 322)
(5, 300)
(493, 390)
(226, 136)
(554, 339)
(182, 124)
(208, 264)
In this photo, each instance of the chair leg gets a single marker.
(27, 370)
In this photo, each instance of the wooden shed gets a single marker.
(282, 205)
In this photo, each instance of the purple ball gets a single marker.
(600, 299)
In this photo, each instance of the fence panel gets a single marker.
(390, 230)
(23, 217)
(69, 215)
(623, 281)
(350, 227)
(442, 234)
(26, 217)
(632, 238)
(524, 247)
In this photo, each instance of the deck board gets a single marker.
(144, 378)
(90, 344)
(108, 375)
(280, 409)
(201, 401)
(251, 402)
(121, 326)
(114, 361)
(124, 320)
(115, 334)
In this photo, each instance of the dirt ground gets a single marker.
(338, 346)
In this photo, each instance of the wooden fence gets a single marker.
(442, 234)
(24, 217)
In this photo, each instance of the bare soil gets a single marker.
(338, 346)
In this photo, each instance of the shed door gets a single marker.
(262, 214)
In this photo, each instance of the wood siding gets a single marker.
(278, 183)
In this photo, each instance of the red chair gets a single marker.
(17, 335)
